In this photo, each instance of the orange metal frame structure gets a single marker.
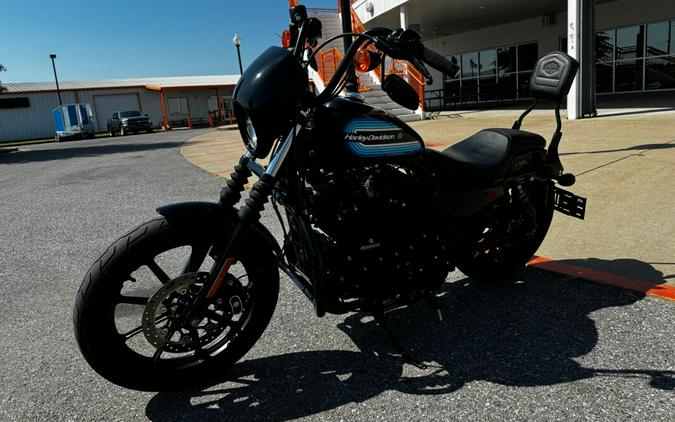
(328, 60)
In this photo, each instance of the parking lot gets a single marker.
(545, 347)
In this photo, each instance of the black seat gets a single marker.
(482, 158)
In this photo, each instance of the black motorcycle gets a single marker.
(373, 220)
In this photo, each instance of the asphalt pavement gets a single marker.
(544, 347)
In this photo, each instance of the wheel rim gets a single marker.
(139, 320)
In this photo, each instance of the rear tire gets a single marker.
(114, 352)
(494, 264)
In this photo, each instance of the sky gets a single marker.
(97, 39)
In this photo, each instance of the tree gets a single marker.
(2, 69)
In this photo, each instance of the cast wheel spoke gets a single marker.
(133, 300)
(158, 272)
(156, 355)
(196, 259)
(132, 333)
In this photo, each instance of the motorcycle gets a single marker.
(372, 219)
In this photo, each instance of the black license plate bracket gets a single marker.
(568, 203)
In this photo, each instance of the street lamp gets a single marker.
(58, 91)
(237, 42)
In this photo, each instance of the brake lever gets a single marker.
(423, 69)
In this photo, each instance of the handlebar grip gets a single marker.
(438, 62)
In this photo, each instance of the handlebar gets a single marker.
(438, 62)
(399, 44)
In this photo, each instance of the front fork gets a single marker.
(249, 213)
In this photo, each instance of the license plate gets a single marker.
(568, 203)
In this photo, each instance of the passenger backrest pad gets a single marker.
(553, 76)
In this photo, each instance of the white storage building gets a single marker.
(25, 108)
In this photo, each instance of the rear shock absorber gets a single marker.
(527, 208)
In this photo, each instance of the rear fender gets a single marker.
(209, 216)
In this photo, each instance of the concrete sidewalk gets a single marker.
(624, 163)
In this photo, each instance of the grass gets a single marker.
(32, 141)
(48, 140)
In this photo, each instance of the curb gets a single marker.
(585, 273)
(8, 149)
(228, 127)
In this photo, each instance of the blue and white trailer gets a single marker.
(73, 121)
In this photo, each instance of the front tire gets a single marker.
(484, 261)
(112, 307)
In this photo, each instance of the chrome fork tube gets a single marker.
(278, 159)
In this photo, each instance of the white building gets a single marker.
(624, 46)
(25, 108)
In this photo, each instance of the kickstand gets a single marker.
(405, 354)
(432, 301)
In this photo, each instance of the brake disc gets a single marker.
(162, 325)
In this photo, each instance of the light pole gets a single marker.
(58, 91)
(237, 43)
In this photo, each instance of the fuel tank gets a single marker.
(351, 129)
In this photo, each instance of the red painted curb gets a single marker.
(664, 291)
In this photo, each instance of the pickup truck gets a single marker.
(123, 122)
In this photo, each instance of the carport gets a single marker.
(195, 101)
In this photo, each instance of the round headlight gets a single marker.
(252, 140)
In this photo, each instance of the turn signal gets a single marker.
(286, 38)
(366, 60)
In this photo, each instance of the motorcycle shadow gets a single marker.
(522, 333)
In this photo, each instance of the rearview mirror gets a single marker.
(400, 92)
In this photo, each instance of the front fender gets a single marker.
(212, 217)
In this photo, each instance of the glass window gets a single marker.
(658, 38)
(604, 45)
(527, 56)
(629, 42)
(178, 105)
(488, 62)
(455, 60)
(470, 89)
(469, 65)
(604, 78)
(628, 76)
(507, 87)
(452, 91)
(524, 84)
(488, 88)
(506, 60)
(660, 73)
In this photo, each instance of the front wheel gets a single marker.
(133, 318)
(507, 234)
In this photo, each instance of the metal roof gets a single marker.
(150, 83)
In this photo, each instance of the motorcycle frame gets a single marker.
(312, 285)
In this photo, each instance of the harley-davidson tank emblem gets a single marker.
(369, 137)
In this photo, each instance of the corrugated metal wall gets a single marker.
(197, 101)
(35, 122)
(150, 103)
(31, 122)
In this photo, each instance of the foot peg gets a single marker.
(566, 179)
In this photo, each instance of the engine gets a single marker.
(375, 235)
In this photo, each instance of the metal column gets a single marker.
(581, 46)
(346, 13)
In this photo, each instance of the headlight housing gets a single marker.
(266, 99)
